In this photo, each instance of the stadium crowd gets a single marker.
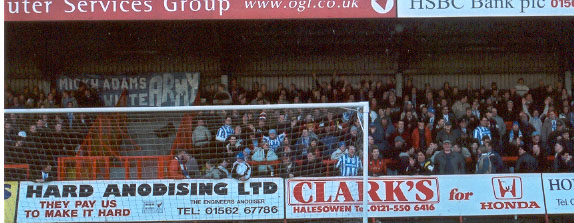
(417, 131)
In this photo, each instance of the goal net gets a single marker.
(207, 163)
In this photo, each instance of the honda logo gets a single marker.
(507, 188)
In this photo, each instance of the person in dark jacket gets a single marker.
(449, 162)
(526, 163)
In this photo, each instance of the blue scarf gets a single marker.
(512, 135)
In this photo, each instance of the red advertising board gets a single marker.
(49, 10)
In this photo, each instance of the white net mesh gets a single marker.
(132, 155)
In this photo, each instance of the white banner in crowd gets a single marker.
(143, 90)
(559, 192)
(483, 8)
(461, 195)
(151, 200)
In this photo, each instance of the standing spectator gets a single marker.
(274, 140)
(222, 96)
(550, 125)
(232, 147)
(482, 130)
(448, 162)
(264, 153)
(497, 123)
(421, 136)
(446, 115)
(349, 164)
(201, 136)
(339, 152)
(512, 138)
(302, 144)
(241, 170)
(521, 88)
(377, 166)
(225, 130)
(526, 163)
(447, 134)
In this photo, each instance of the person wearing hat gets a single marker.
(274, 140)
(447, 133)
(526, 163)
(511, 139)
(431, 120)
(448, 162)
(342, 149)
(241, 170)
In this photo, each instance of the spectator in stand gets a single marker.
(241, 170)
(46, 174)
(446, 115)
(328, 139)
(497, 123)
(302, 144)
(402, 132)
(521, 88)
(274, 140)
(447, 134)
(222, 96)
(526, 163)
(432, 119)
(223, 168)
(211, 172)
(201, 136)
(512, 139)
(525, 125)
(388, 130)
(183, 166)
(448, 162)
(426, 165)
(349, 164)
(232, 147)
(262, 154)
(457, 148)
(421, 136)
(413, 167)
(225, 130)
(563, 162)
(460, 106)
(287, 166)
(311, 167)
(377, 166)
(555, 133)
(340, 151)
(482, 130)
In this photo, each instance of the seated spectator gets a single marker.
(402, 132)
(339, 152)
(349, 164)
(377, 166)
(211, 172)
(413, 167)
(201, 136)
(311, 167)
(264, 153)
(183, 166)
(223, 169)
(425, 164)
(241, 170)
(225, 130)
(404, 161)
(302, 144)
(448, 162)
(232, 147)
(563, 162)
(287, 166)
(46, 174)
(526, 163)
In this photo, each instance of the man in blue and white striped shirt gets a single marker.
(224, 131)
(350, 164)
(274, 140)
(482, 130)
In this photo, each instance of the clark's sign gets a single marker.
(461, 195)
(151, 200)
(483, 8)
(145, 90)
